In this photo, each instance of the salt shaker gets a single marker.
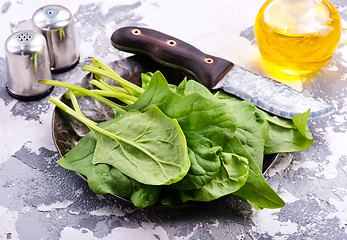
(56, 25)
(27, 63)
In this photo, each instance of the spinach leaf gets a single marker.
(206, 122)
(181, 88)
(249, 141)
(104, 179)
(285, 135)
(232, 176)
(300, 121)
(256, 191)
(196, 87)
(150, 147)
(251, 134)
(226, 96)
(144, 195)
(146, 78)
(283, 122)
(252, 129)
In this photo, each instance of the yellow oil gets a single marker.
(297, 36)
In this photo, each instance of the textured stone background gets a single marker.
(40, 200)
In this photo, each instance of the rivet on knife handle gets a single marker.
(172, 52)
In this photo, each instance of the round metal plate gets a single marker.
(67, 131)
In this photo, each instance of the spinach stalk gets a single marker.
(84, 91)
(128, 99)
(80, 117)
(100, 68)
(75, 103)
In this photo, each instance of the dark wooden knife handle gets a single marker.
(172, 52)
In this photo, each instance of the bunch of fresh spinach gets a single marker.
(225, 141)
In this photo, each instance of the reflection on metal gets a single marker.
(60, 32)
(34, 58)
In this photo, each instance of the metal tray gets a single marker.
(67, 131)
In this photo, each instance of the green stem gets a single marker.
(89, 123)
(114, 76)
(101, 65)
(75, 102)
(84, 91)
(119, 95)
(102, 85)
(127, 99)
(120, 89)
(100, 77)
(71, 112)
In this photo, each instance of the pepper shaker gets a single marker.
(27, 63)
(55, 23)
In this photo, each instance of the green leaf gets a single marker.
(282, 122)
(146, 78)
(104, 179)
(252, 129)
(181, 88)
(80, 157)
(207, 123)
(196, 87)
(284, 135)
(300, 121)
(250, 137)
(145, 195)
(288, 136)
(232, 176)
(256, 190)
(226, 96)
(150, 147)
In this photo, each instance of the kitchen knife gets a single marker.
(216, 73)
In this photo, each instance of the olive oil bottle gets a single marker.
(297, 36)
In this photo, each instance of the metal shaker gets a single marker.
(27, 63)
(55, 23)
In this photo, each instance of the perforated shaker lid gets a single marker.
(27, 63)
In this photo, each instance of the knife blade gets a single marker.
(218, 73)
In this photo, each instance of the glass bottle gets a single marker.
(297, 36)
